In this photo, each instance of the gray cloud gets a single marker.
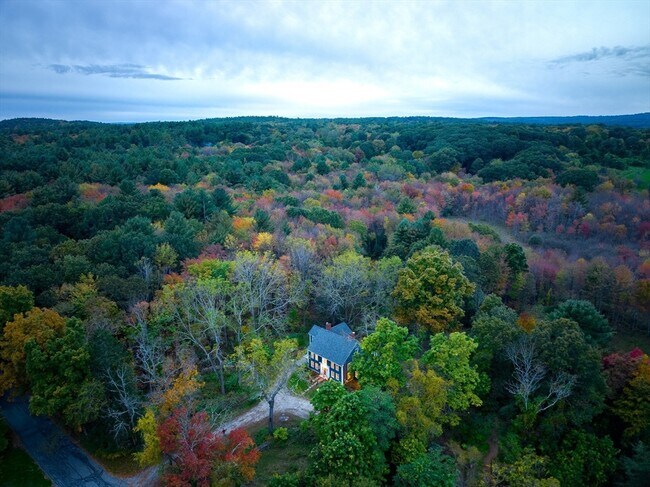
(134, 71)
(618, 61)
(334, 58)
(600, 53)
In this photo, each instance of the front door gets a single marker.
(323, 370)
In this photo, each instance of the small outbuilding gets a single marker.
(331, 350)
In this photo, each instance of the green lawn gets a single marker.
(17, 469)
(298, 383)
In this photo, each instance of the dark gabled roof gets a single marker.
(342, 329)
(335, 345)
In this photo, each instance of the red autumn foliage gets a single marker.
(619, 368)
(14, 202)
(96, 192)
(238, 449)
(333, 194)
(195, 450)
(191, 446)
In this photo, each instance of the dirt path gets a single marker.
(493, 451)
(503, 232)
(493, 442)
(285, 403)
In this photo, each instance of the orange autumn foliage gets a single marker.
(184, 386)
(526, 322)
(242, 224)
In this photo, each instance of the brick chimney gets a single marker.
(353, 335)
(328, 325)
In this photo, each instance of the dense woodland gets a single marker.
(158, 279)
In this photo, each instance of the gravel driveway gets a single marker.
(285, 403)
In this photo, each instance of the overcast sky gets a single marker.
(115, 60)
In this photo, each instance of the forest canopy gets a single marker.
(155, 278)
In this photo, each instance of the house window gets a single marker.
(329, 364)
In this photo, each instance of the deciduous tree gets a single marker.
(429, 469)
(13, 300)
(431, 289)
(267, 369)
(60, 379)
(450, 356)
(39, 325)
(383, 354)
(593, 324)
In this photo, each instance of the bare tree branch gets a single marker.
(528, 375)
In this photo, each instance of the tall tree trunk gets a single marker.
(221, 379)
(271, 405)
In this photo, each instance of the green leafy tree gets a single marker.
(584, 459)
(381, 415)
(383, 353)
(165, 257)
(564, 350)
(406, 206)
(593, 324)
(60, 377)
(494, 327)
(13, 300)
(530, 470)
(347, 446)
(412, 236)
(420, 410)
(262, 221)
(359, 181)
(430, 290)
(223, 201)
(327, 395)
(493, 270)
(193, 203)
(637, 467)
(180, 233)
(450, 356)
(433, 468)
(515, 258)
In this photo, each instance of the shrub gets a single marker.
(281, 434)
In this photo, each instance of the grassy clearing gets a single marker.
(282, 457)
(298, 383)
(640, 175)
(17, 469)
(117, 462)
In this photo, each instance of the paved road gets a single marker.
(63, 462)
(67, 465)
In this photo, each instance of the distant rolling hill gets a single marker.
(637, 120)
